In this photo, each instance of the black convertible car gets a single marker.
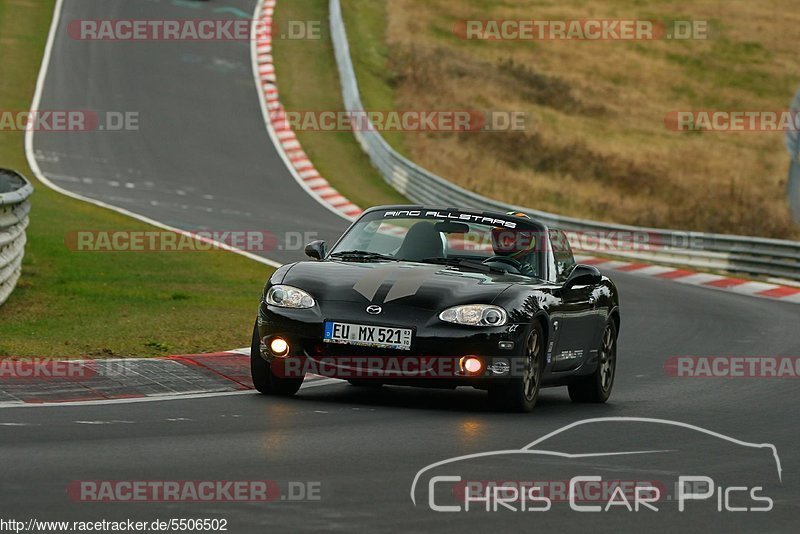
(441, 297)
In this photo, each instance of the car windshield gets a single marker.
(463, 240)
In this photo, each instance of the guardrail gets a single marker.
(793, 146)
(14, 210)
(752, 256)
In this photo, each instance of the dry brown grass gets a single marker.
(597, 145)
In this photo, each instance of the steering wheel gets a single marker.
(511, 262)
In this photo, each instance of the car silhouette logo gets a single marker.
(374, 310)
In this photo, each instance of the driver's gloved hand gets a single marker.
(527, 269)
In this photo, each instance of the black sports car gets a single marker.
(441, 297)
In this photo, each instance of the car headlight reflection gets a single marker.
(475, 315)
(289, 297)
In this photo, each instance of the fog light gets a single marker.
(279, 347)
(471, 365)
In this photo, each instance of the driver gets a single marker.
(516, 245)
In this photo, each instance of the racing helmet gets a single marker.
(511, 243)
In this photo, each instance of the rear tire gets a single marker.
(264, 379)
(521, 393)
(597, 387)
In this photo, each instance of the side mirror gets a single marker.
(583, 275)
(316, 250)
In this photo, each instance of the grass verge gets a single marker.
(102, 304)
(308, 81)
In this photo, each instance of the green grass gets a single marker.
(98, 303)
(365, 21)
(308, 80)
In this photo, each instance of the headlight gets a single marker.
(475, 315)
(289, 297)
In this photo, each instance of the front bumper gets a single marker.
(437, 347)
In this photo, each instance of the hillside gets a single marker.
(595, 144)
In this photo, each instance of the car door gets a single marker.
(576, 312)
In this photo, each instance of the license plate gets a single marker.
(367, 335)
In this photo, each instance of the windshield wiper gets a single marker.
(363, 255)
(461, 262)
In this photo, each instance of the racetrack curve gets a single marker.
(202, 133)
(201, 158)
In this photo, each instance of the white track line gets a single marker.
(34, 165)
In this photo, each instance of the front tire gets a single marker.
(264, 379)
(521, 393)
(597, 387)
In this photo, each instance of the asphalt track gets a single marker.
(201, 158)
(203, 134)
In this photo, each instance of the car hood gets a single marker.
(419, 285)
